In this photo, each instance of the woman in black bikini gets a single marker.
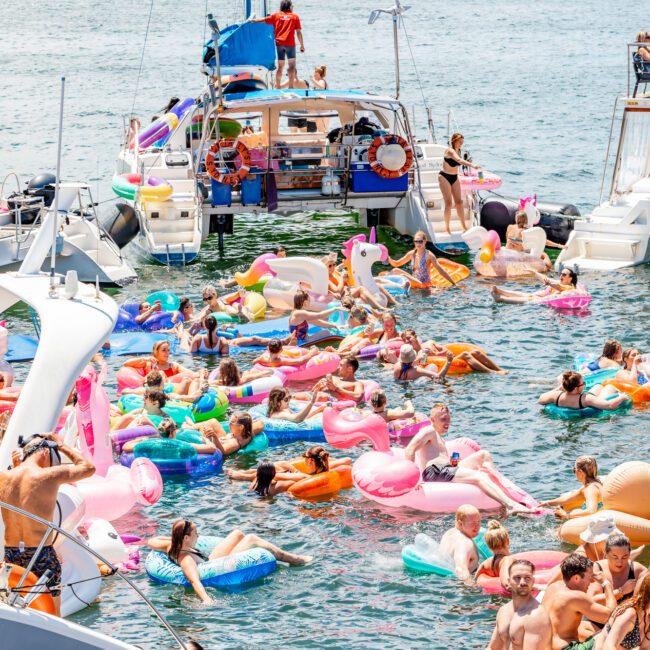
(619, 568)
(629, 625)
(449, 183)
(180, 549)
(572, 396)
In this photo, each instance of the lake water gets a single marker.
(532, 87)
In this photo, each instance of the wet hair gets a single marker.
(521, 218)
(574, 276)
(264, 477)
(167, 428)
(184, 304)
(286, 5)
(320, 458)
(360, 314)
(157, 345)
(527, 563)
(571, 380)
(377, 398)
(575, 565)
(353, 362)
(229, 374)
(641, 603)
(210, 323)
(180, 528)
(496, 536)
(455, 138)
(589, 466)
(157, 396)
(275, 346)
(299, 299)
(610, 348)
(279, 249)
(617, 540)
(321, 69)
(154, 380)
(348, 302)
(246, 422)
(276, 396)
(626, 355)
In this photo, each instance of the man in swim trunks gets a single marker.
(567, 602)
(522, 624)
(345, 386)
(33, 486)
(458, 542)
(428, 450)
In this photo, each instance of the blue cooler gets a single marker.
(365, 180)
(221, 193)
(251, 187)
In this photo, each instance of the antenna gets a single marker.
(55, 221)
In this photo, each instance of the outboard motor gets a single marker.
(39, 193)
(124, 226)
(557, 219)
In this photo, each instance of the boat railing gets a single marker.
(637, 71)
(14, 593)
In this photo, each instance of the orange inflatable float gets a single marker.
(458, 272)
(624, 495)
(42, 603)
(323, 484)
(458, 366)
(639, 394)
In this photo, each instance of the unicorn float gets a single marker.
(259, 271)
(493, 261)
(293, 274)
(384, 475)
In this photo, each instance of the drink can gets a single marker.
(481, 178)
(455, 458)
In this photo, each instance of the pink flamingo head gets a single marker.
(347, 428)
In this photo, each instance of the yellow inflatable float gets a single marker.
(458, 366)
(639, 394)
(625, 497)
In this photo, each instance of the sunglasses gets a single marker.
(565, 275)
(418, 241)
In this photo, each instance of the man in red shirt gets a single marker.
(286, 26)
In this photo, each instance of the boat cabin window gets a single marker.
(320, 122)
(634, 157)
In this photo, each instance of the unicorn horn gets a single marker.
(373, 236)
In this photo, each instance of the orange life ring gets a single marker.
(42, 603)
(377, 167)
(458, 366)
(323, 484)
(231, 178)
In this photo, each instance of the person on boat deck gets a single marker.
(612, 356)
(229, 374)
(286, 26)
(318, 78)
(344, 387)
(301, 317)
(631, 371)
(210, 342)
(33, 485)
(378, 403)
(568, 282)
(231, 304)
(458, 542)
(269, 479)
(423, 262)
(514, 238)
(523, 622)
(571, 395)
(619, 568)
(590, 494)
(450, 183)
(629, 625)
(428, 451)
(273, 357)
(644, 50)
(180, 550)
(159, 360)
(153, 403)
(568, 601)
(145, 310)
(279, 406)
(406, 370)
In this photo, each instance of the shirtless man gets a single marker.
(428, 450)
(33, 486)
(522, 624)
(458, 542)
(567, 602)
(346, 385)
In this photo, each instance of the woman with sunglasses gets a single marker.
(180, 549)
(568, 282)
(571, 395)
(231, 304)
(422, 261)
(590, 495)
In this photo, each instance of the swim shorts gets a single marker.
(47, 559)
(587, 644)
(288, 51)
(439, 473)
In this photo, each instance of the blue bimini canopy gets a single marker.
(244, 44)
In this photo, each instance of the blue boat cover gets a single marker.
(244, 44)
(21, 348)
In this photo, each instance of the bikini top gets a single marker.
(580, 404)
(193, 551)
(301, 329)
(451, 162)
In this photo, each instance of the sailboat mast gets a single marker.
(55, 221)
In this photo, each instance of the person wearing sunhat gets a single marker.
(406, 370)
